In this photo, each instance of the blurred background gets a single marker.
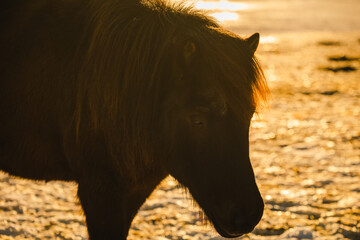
(305, 148)
(280, 16)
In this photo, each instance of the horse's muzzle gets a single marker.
(238, 221)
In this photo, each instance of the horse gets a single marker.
(117, 95)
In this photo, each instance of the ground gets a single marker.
(305, 149)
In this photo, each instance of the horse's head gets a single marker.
(178, 94)
(206, 120)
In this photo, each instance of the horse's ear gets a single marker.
(253, 42)
(189, 51)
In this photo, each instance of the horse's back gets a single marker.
(38, 41)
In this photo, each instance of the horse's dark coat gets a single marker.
(117, 95)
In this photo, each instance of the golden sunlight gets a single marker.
(225, 16)
(223, 10)
(268, 39)
(222, 5)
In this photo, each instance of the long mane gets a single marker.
(120, 82)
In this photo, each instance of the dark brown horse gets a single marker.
(117, 95)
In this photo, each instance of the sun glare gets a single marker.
(268, 39)
(222, 5)
(225, 16)
(223, 10)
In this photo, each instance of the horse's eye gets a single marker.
(198, 120)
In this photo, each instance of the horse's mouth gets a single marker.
(225, 234)
(227, 231)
